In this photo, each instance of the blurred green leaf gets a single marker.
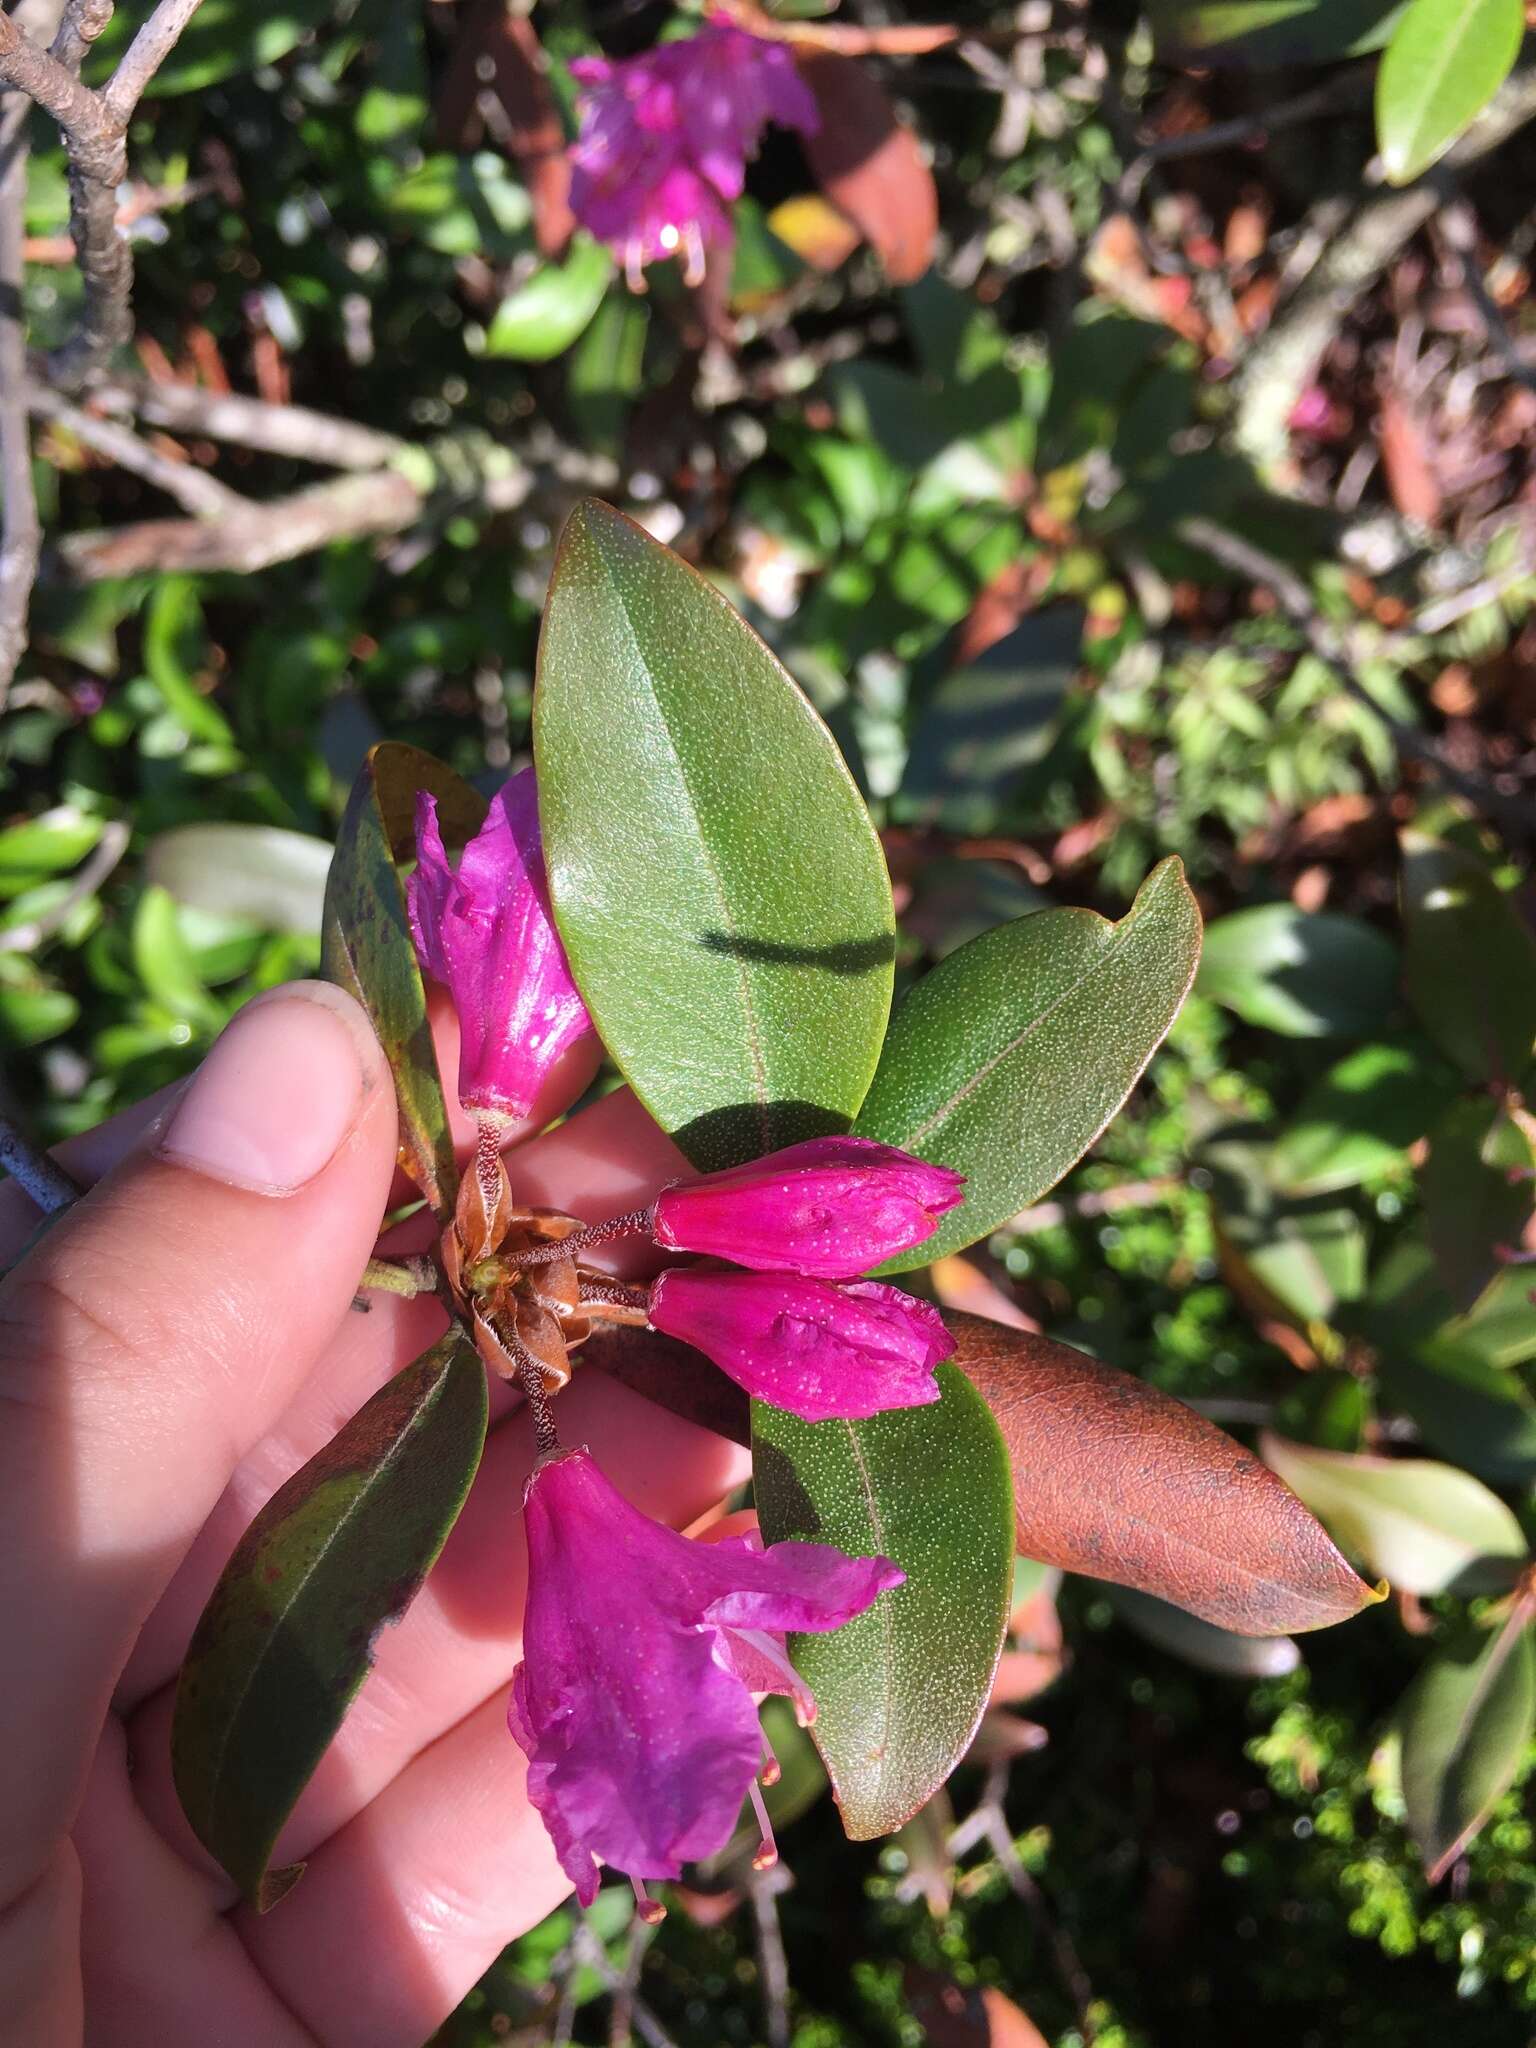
(1359, 1118)
(165, 964)
(1272, 31)
(1466, 1724)
(541, 318)
(1202, 1643)
(1471, 1209)
(1305, 974)
(1469, 960)
(41, 847)
(222, 38)
(1426, 1527)
(899, 1690)
(1009, 1058)
(1446, 60)
(274, 878)
(719, 887)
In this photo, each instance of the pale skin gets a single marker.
(171, 1350)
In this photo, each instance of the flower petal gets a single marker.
(831, 1208)
(806, 1345)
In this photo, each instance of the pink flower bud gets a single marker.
(805, 1345)
(641, 1651)
(485, 932)
(832, 1207)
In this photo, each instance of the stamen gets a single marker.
(768, 1850)
(631, 1225)
(634, 267)
(650, 1910)
(771, 1770)
(693, 244)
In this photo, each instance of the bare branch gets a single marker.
(145, 54)
(192, 488)
(31, 1168)
(78, 111)
(83, 22)
(20, 533)
(291, 430)
(375, 502)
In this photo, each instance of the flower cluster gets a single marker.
(665, 137)
(641, 1649)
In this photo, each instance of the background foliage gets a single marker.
(1173, 498)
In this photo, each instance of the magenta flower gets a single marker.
(806, 1345)
(485, 932)
(664, 138)
(641, 1651)
(832, 1208)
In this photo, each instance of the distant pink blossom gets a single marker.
(665, 136)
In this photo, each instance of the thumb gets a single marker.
(147, 1342)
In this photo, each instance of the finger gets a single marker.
(408, 1907)
(462, 1636)
(152, 1337)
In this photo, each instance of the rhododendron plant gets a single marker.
(688, 882)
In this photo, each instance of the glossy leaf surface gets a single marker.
(1446, 60)
(900, 1690)
(1008, 1059)
(366, 941)
(1427, 1527)
(287, 1638)
(1118, 1481)
(717, 882)
(1305, 974)
(1466, 1723)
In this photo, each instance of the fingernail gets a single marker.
(270, 1106)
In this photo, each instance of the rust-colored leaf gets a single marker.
(499, 52)
(869, 164)
(1407, 461)
(891, 39)
(952, 2017)
(1118, 1481)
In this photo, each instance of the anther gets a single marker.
(768, 1849)
(650, 1910)
(770, 1771)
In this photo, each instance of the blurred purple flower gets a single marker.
(806, 1345)
(665, 136)
(485, 932)
(641, 1651)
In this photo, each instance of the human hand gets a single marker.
(171, 1349)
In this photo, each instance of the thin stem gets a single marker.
(765, 1887)
(531, 1378)
(638, 1221)
(20, 532)
(31, 1168)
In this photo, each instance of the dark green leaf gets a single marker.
(1008, 1060)
(366, 941)
(718, 884)
(1471, 1209)
(1466, 1723)
(1468, 1409)
(1306, 974)
(287, 1638)
(1446, 60)
(1470, 961)
(901, 1689)
(1296, 1256)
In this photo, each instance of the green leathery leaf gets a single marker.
(1446, 60)
(541, 318)
(1010, 1057)
(366, 943)
(900, 1689)
(1466, 1724)
(287, 1638)
(715, 876)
